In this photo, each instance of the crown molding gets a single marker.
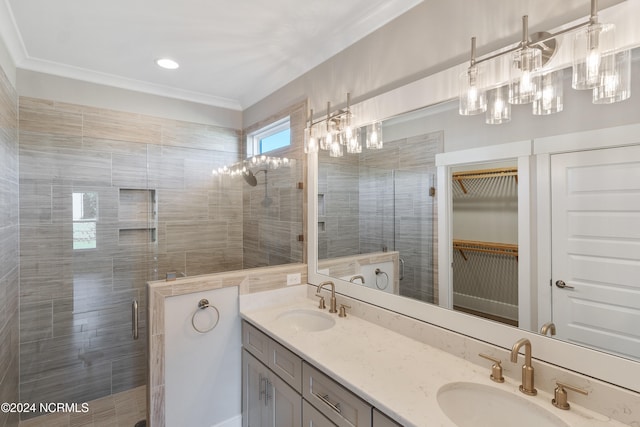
(21, 59)
(10, 34)
(90, 76)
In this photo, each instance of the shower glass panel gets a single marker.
(397, 213)
(414, 225)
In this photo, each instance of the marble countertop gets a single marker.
(398, 375)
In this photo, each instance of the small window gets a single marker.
(276, 135)
(85, 217)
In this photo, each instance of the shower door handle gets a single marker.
(401, 268)
(134, 319)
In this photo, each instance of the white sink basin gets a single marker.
(473, 405)
(306, 320)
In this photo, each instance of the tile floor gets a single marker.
(119, 410)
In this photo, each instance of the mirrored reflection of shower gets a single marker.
(251, 179)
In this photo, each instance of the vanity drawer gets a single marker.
(311, 417)
(256, 342)
(286, 364)
(334, 401)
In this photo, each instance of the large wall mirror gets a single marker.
(378, 231)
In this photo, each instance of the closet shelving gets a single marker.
(460, 177)
(485, 247)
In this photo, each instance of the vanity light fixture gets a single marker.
(526, 62)
(597, 66)
(472, 92)
(337, 133)
(166, 63)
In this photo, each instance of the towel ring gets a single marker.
(378, 274)
(203, 304)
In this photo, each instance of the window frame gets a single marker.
(254, 138)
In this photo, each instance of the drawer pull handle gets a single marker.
(325, 399)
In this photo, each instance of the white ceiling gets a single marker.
(232, 53)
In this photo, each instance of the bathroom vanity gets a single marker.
(303, 363)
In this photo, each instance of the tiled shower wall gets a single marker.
(273, 209)
(338, 206)
(159, 209)
(9, 243)
(380, 200)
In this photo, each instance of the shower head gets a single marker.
(250, 178)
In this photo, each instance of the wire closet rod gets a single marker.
(485, 247)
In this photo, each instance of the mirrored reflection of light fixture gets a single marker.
(498, 106)
(472, 93)
(596, 66)
(338, 133)
(374, 136)
(310, 137)
(616, 86)
(551, 96)
(353, 142)
(327, 139)
(524, 77)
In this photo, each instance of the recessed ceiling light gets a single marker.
(167, 63)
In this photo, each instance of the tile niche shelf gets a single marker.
(137, 216)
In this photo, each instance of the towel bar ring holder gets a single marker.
(203, 304)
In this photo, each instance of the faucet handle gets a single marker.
(496, 368)
(343, 310)
(321, 304)
(560, 395)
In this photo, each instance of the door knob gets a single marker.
(562, 285)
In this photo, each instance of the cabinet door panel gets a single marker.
(285, 402)
(255, 407)
(311, 417)
(381, 420)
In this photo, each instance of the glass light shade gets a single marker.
(472, 93)
(551, 96)
(335, 149)
(498, 107)
(524, 79)
(590, 46)
(354, 146)
(310, 140)
(327, 139)
(374, 136)
(615, 87)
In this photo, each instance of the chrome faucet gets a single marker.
(358, 276)
(333, 304)
(527, 386)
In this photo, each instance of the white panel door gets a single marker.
(596, 248)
